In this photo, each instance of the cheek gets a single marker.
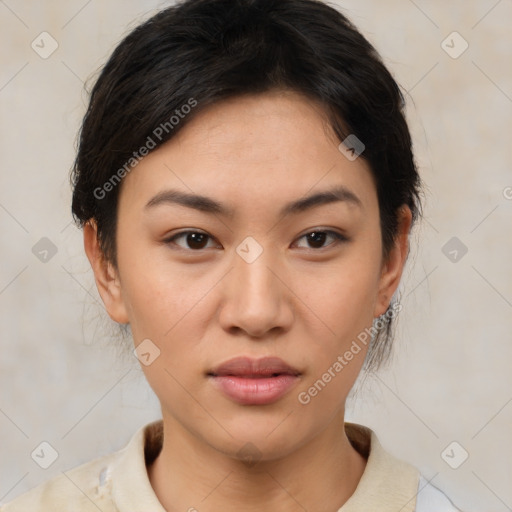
(344, 306)
(342, 294)
(159, 294)
(167, 307)
(342, 300)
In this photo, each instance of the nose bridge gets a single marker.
(254, 277)
(256, 299)
(255, 281)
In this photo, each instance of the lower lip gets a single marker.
(255, 391)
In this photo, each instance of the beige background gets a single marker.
(63, 380)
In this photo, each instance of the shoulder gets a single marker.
(431, 498)
(114, 482)
(389, 483)
(80, 487)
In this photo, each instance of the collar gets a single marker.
(387, 484)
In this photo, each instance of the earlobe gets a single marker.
(105, 275)
(393, 267)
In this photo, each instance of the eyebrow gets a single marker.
(209, 205)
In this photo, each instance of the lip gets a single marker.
(254, 381)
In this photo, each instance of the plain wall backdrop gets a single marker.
(63, 377)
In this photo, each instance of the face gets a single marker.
(251, 294)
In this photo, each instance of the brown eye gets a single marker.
(194, 240)
(316, 239)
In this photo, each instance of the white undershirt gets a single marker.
(431, 499)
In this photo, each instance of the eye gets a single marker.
(194, 240)
(318, 237)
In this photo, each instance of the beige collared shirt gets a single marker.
(119, 482)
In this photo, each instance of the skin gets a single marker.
(302, 301)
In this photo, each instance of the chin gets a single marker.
(268, 438)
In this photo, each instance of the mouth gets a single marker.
(254, 381)
(254, 368)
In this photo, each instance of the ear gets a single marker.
(393, 267)
(105, 275)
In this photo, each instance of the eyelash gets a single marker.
(339, 238)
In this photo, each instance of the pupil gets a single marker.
(196, 240)
(317, 237)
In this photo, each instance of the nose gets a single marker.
(257, 299)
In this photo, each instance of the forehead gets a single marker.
(272, 147)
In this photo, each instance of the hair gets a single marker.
(199, 52)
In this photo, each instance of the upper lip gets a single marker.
(247, 367)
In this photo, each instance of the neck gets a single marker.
(190, 475)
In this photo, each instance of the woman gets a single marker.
(246, 187)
